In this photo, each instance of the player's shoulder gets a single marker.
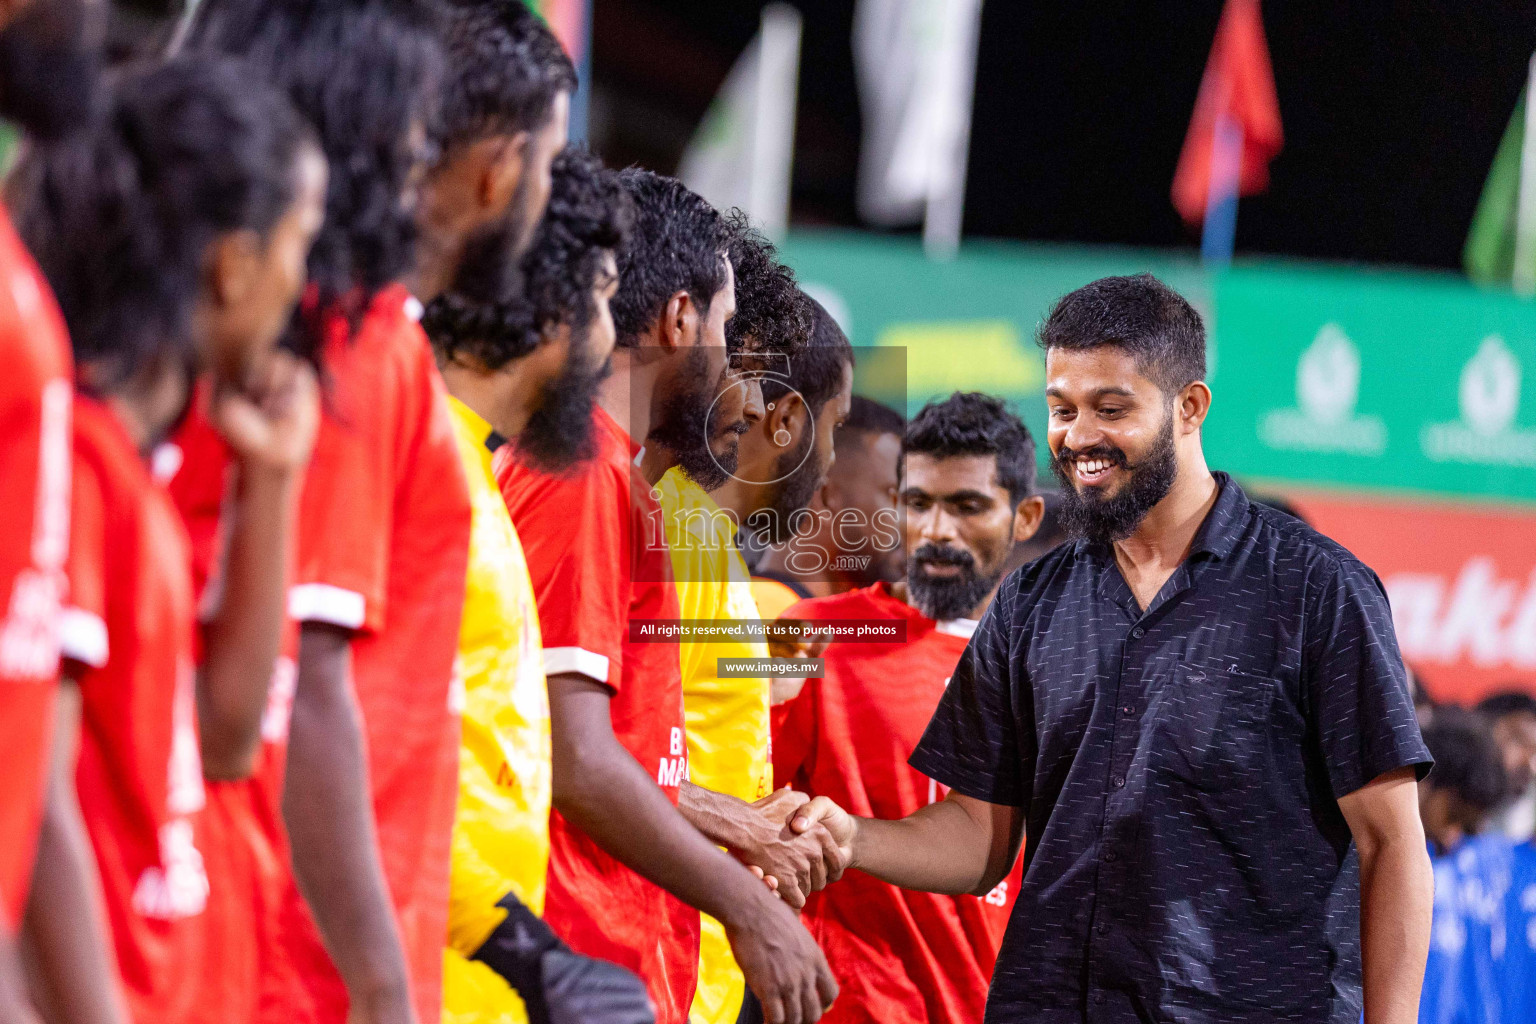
(33, 341)
(1303, 554)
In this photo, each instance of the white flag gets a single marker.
(742, 151)
(916, 67)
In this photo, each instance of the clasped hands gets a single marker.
(795, 856)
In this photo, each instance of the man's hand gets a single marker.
(271, 422)
(781, 963)
(793, 864)
(822, 815)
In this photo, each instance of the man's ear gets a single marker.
(502, 161)
(1194, 405)
(234, 262)
(788, 413)
(678, 326)
(1027, 518)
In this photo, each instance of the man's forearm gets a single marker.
(940, 848)
(242, 638)
(724, 820)
(69, 945)
(612, 799)
(328, 808)
(1396, 902)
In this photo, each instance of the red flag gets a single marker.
(1238, 86)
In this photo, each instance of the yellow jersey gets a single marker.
(729, 734)
(501, 830)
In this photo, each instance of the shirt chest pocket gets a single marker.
(1213, 728)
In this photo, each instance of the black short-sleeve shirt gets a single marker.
(1179, 770)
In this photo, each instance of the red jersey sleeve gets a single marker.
(82, 623)
(346, 510)
(573, 530)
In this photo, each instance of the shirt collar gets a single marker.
(1224, 523)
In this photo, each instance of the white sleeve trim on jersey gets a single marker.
(321, 602)
(958, 627)
(576, 659)
(82, 637)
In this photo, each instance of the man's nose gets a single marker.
(752, 407)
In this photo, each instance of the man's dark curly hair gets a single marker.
(588, 215)
(970, 423)
(816, 367)
(505, 68)
(365, 73)
(120, 218)
(675, 245)
(772, 313)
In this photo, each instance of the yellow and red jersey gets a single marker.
(501, 831)
(599, 564)
(383, 548)
(35, 394)
(129, 623)
(897, 955)
(729, 736)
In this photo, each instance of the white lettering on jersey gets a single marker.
(29, 640)
(177, 887)
(998, 897)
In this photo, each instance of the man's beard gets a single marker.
(559, 433)
(948, 597)
(1105, 520)
(797, 478)
(49, 68)
(689, 425)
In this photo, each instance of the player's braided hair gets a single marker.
(588, 215)
(119, 218)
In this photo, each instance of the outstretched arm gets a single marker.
(958, 845)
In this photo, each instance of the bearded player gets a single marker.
(518, 372)
(628, 872)
(967, 493)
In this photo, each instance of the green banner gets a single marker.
(1352, 378)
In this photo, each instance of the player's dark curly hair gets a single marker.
(816, 367)
(970, 423)
(772, 313)
(366, 74)
(588, 215)
(675, 245)
(119, 218)
(1467, 759)
(505, 68)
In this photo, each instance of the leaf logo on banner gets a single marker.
(1490, 388)
(1328, 376)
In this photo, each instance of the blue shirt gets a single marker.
(1179, 770)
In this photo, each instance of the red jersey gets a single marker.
(139, 775)
(34, 491)
(900, 957)
(241, 834)
(383, 548)
(598, 559)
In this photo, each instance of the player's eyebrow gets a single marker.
(1109, 392)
